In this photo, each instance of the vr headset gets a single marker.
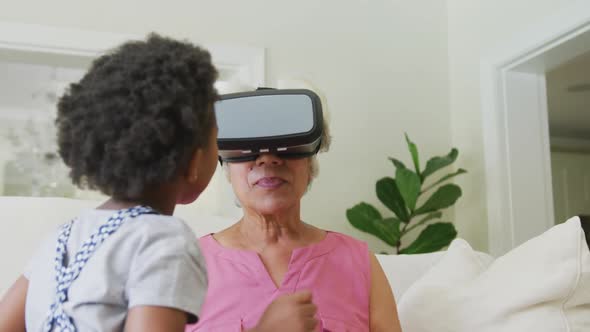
(287, 123)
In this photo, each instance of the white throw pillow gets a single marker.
(404, 270)
(542, 285)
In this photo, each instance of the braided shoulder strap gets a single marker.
(66, 275)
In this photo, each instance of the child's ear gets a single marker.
(192, 173)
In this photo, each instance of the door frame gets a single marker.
(554, 41)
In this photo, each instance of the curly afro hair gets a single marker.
(137, 116)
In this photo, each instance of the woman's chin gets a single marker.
(273, 206)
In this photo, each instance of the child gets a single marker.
(140, 127)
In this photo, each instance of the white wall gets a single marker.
(474, 29)
(383, 66)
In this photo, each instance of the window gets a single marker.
(36, 65)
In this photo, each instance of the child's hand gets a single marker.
(289, 313)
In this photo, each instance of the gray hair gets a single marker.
(314, 166)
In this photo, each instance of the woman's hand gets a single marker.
(289, 313)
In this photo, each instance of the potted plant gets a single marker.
(402, 195)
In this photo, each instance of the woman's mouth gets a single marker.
(270, 182)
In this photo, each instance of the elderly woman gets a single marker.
(271, 271)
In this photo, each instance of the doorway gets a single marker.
(568, 98)
(516, 128)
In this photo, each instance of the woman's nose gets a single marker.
(268, 159)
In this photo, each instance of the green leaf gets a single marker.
(398, 164)
(408, 184)
(436, 163)
(366, 218)
(445, 178)
(433, 215)
(414, 152)
(443, 197)
(361, 215)
(433, 238)
(389, 195)
(388, 230)
(430, 216)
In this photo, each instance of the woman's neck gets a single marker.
(257, 230)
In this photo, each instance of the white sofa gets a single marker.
(27, 220)
(543, 285)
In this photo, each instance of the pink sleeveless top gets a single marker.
(336, 271)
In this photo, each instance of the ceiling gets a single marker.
(568, 95)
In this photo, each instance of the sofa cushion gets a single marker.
(542, 285)
(404, 270)
(28, 220)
